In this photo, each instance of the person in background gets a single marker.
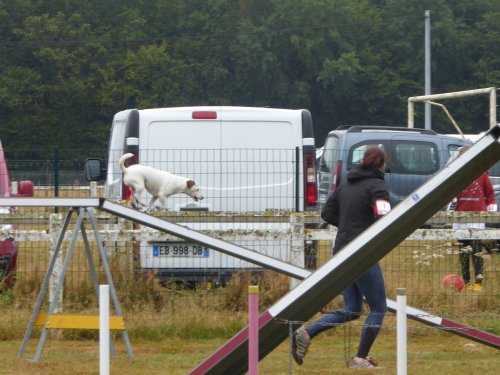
(352, 208)
(479, 196)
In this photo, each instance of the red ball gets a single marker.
(453, 282)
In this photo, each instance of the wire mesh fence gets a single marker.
(174, 287)
(419, 265)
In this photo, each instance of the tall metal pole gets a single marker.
(427, 15)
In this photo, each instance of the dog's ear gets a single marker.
(190, 183)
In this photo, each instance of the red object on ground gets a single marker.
(454, 282)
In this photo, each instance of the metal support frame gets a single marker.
(79, 226)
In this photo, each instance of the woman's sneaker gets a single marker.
(300, 344)
(363, 363)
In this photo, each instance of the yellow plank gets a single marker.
(70, 321)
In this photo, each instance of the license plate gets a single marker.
(180, 249)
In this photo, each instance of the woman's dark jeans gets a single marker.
(468, 251)
(370, 286)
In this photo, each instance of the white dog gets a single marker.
(158, 183)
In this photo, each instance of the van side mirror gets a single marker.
(93, 170)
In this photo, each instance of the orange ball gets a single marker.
(453, 282)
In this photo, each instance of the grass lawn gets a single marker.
(430, 352)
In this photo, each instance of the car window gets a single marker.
(357, 151)
(414, 158)
(453, 152)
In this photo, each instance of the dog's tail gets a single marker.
(122, 161)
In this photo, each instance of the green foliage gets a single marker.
(67, 66)
(6, 298)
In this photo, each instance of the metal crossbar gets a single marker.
(50, 202)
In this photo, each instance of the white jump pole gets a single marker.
(104, 330)
(402, 349)
(14, 188)
(253, 330)
(93, 189)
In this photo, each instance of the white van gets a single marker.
(244, 159)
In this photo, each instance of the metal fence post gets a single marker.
(297, 245)
(55, 168)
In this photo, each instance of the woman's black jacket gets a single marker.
(352, 207)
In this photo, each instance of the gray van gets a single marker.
(413, 154)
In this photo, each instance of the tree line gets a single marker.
(67, 66)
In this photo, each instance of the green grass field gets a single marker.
(430, 352)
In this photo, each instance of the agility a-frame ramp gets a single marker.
(321, 286)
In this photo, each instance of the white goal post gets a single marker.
(491, 91)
